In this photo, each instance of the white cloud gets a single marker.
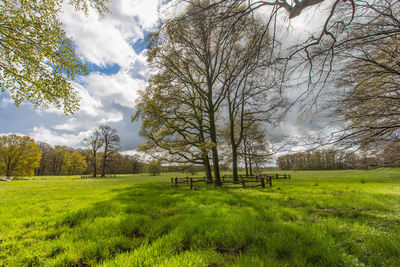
(53, 138)
(5, 101)
(102, 40)
(120, 88)
(70, 125)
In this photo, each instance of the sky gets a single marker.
(114, 48)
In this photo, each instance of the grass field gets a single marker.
(318, 218)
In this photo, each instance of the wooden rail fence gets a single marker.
(91, 176)
(244, 176)
(244, 181)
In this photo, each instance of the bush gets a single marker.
(154, 167)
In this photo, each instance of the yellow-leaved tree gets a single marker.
(19, 155)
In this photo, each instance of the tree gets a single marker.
(173, 122)
(154, 167)
(195, 53)
(201, 62)
(45, 160)
(37, 60)
(356, 34)
(75, 163)
(254, 149)
(372, 102)
(93, 143)
(111, 145)
(19, 155)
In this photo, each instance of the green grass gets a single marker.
(318, 218)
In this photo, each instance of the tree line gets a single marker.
(22, 156)
(331, 159)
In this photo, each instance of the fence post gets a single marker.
(191, 183)
(277, 176)
(176, 181)
(187, 179)
(270, 181)
(262, 183)
(289, 176)
(243, 183)
(284, 176)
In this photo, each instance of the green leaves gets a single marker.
(19, 155)
(37, 60)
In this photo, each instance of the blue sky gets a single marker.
(113, 46)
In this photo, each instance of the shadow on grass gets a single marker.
(154, 223)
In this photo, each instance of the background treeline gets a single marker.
(63, 160)
(331, 159)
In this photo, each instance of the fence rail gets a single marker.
(91, 176)
(244, 182)
(244, 176)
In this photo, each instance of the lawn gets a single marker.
(318, 218)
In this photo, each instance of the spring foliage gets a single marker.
(19, 155)
(37, 60)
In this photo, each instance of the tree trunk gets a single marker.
(234, 165)
(206, 158)
(207, 168)
(94, 165)
(251, 170)
(214, 150)
(245, 164)
(103, 167)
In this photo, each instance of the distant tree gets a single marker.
(111, 145)
(37, 60)
(254, 148)
(93, 143)
(45, 161)
(190, 169)
(154, 167)
(19, 155)
(390, 156)
(75, 163)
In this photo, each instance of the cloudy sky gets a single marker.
(113, 46)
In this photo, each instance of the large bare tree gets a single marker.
(93, 143)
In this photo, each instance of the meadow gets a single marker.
(317, 218)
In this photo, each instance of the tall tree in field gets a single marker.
(111, 145)
(199, 52)
(194, 52)
(37, 60)
(173, 122)
(19, 155)
(251, 81)
(93, 143)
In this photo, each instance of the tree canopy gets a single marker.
(19, 155)
(38, 62)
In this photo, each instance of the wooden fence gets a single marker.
(248, 182)
(244, 176)
(91, 176)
